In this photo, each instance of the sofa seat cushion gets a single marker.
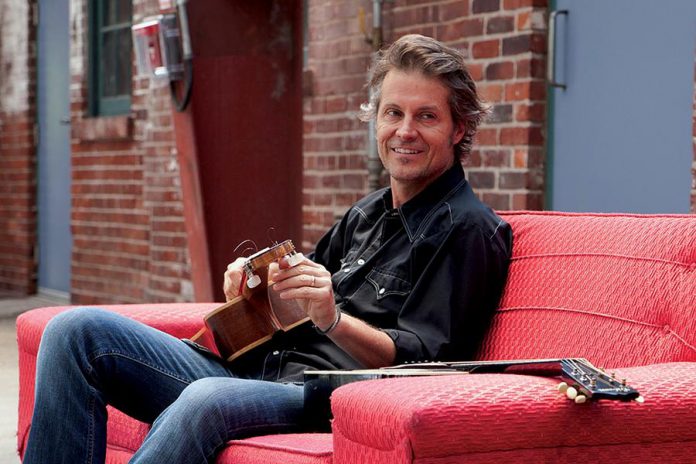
(479, 417)
(310, 448)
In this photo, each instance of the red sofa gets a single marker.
(619, 290)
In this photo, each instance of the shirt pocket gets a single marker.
(389, 290)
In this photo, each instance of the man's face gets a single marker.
(415, 131)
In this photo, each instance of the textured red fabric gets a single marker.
(287, 449)
(619, 290)
(430, 418)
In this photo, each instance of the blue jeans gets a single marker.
(89, 358)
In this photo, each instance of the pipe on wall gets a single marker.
(374, 165)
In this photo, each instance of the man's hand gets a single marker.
(233, 279)
(310, 284)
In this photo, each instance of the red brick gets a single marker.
(491, 92)
(485, 6)
(481, 179)
(525, 43)
(535, 112)
(453, 10)
(515, 4)
(500, 70)
(500, 24)
(528, 201)
(486, 49)
(497, 201)
(486, 137)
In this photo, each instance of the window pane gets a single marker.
(123, 75)
(125, 11)
(110, 55)
(109, 9)
(116, 12)
(109, 64)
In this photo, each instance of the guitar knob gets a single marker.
(571, 393)
(294, 259)
(562, 387)
(580, 399)
(639, 400)
(253, 281)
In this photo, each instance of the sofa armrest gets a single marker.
(468, 417)
(179, 319)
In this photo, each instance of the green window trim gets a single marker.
(110, 57)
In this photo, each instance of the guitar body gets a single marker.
(240, 325)
(252, 318)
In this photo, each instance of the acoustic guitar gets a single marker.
(252, 318)
(581, 381)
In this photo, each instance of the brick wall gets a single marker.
(504, 41)
(17, 149)
(129, 242)
(127, 220)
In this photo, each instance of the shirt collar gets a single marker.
(416, 210)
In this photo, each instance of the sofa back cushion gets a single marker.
(617, 289)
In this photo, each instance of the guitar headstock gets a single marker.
(261, 259)
(583, 381)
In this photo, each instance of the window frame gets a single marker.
(98, 104)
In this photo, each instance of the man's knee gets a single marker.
(74, 325)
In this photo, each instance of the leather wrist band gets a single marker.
(333, 325)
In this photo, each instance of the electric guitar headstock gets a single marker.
(582, 381)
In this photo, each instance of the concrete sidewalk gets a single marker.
(10, 308)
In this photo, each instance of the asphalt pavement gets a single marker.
(10, 308)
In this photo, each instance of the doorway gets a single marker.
(620, 132)
(53, 148)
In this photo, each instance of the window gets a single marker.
(110, 49)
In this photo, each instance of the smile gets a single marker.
(405, 151)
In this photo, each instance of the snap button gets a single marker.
(346, 270)
(276, 353)
(361, 261)
(382, 290)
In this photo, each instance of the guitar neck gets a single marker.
(550, 365)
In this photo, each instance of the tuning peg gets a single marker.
(580, 399)
(562, 387)
(253, 280)
(571, 393)
(640, 400)
(294, 259)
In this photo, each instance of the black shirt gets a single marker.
(429, 274)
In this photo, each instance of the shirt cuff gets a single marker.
(408, 346)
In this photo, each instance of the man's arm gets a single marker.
(368, 345)
(310, 284)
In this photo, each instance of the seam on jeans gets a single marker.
(90, 430)
(93, 357)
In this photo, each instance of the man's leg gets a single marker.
(212, 411)
(89, 358)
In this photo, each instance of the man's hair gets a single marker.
(426, 55)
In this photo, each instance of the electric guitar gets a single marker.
(581, 381)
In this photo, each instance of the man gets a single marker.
(412, 272)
